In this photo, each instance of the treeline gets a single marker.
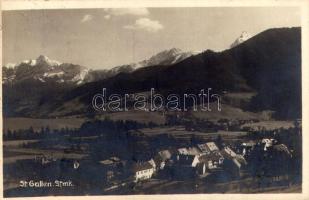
(292, 138)
(104, 127)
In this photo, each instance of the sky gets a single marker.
(107, 37)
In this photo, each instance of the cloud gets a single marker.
(107, 17)
(145, 24)
(86, 18)
(126, 11)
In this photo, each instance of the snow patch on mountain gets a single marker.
(52, 74)
(44, 69)
(42, 60)
(11, 65)
(80, 77)
(243, 37)
(167, 57)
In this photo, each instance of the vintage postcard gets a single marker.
(117, 99)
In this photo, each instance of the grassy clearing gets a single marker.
(181, 132)
(138, 116)
(270, 125)
(16, 143)
(25, 123)
(227, 112)
(11, 155)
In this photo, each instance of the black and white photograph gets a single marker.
(152, 101)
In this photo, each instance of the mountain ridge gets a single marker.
(52, 70)
(268, 64)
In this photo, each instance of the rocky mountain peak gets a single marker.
(243, 37)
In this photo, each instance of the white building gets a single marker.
(143, 171)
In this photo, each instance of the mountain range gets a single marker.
(44, 69)
(267, 64)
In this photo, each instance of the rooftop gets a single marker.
(141, 166)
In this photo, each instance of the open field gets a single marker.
(74, 122)
(11, 155)
(56, 123)
(181, 132)
(138, 116)
(228, 112)
(270, 125)
(16, 143)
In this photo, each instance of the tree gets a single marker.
(219, 142)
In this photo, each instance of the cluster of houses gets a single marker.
(203, 159)
(267, 144)
(199, 160)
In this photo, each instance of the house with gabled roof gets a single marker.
(204, 148)
(194, 151)
(165, 154)
(233, 163)
(183, 151)
(142, 171)
(184, 166)
(189, 151)
(212, 146)
(208, 147)
(268, 142)
(247, 147)
(161, 158)
(212, 160)
(282, 148)
(188, 160)
(153, 163)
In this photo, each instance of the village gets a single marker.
(188, 163)
(196, 162)
(149, 160)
